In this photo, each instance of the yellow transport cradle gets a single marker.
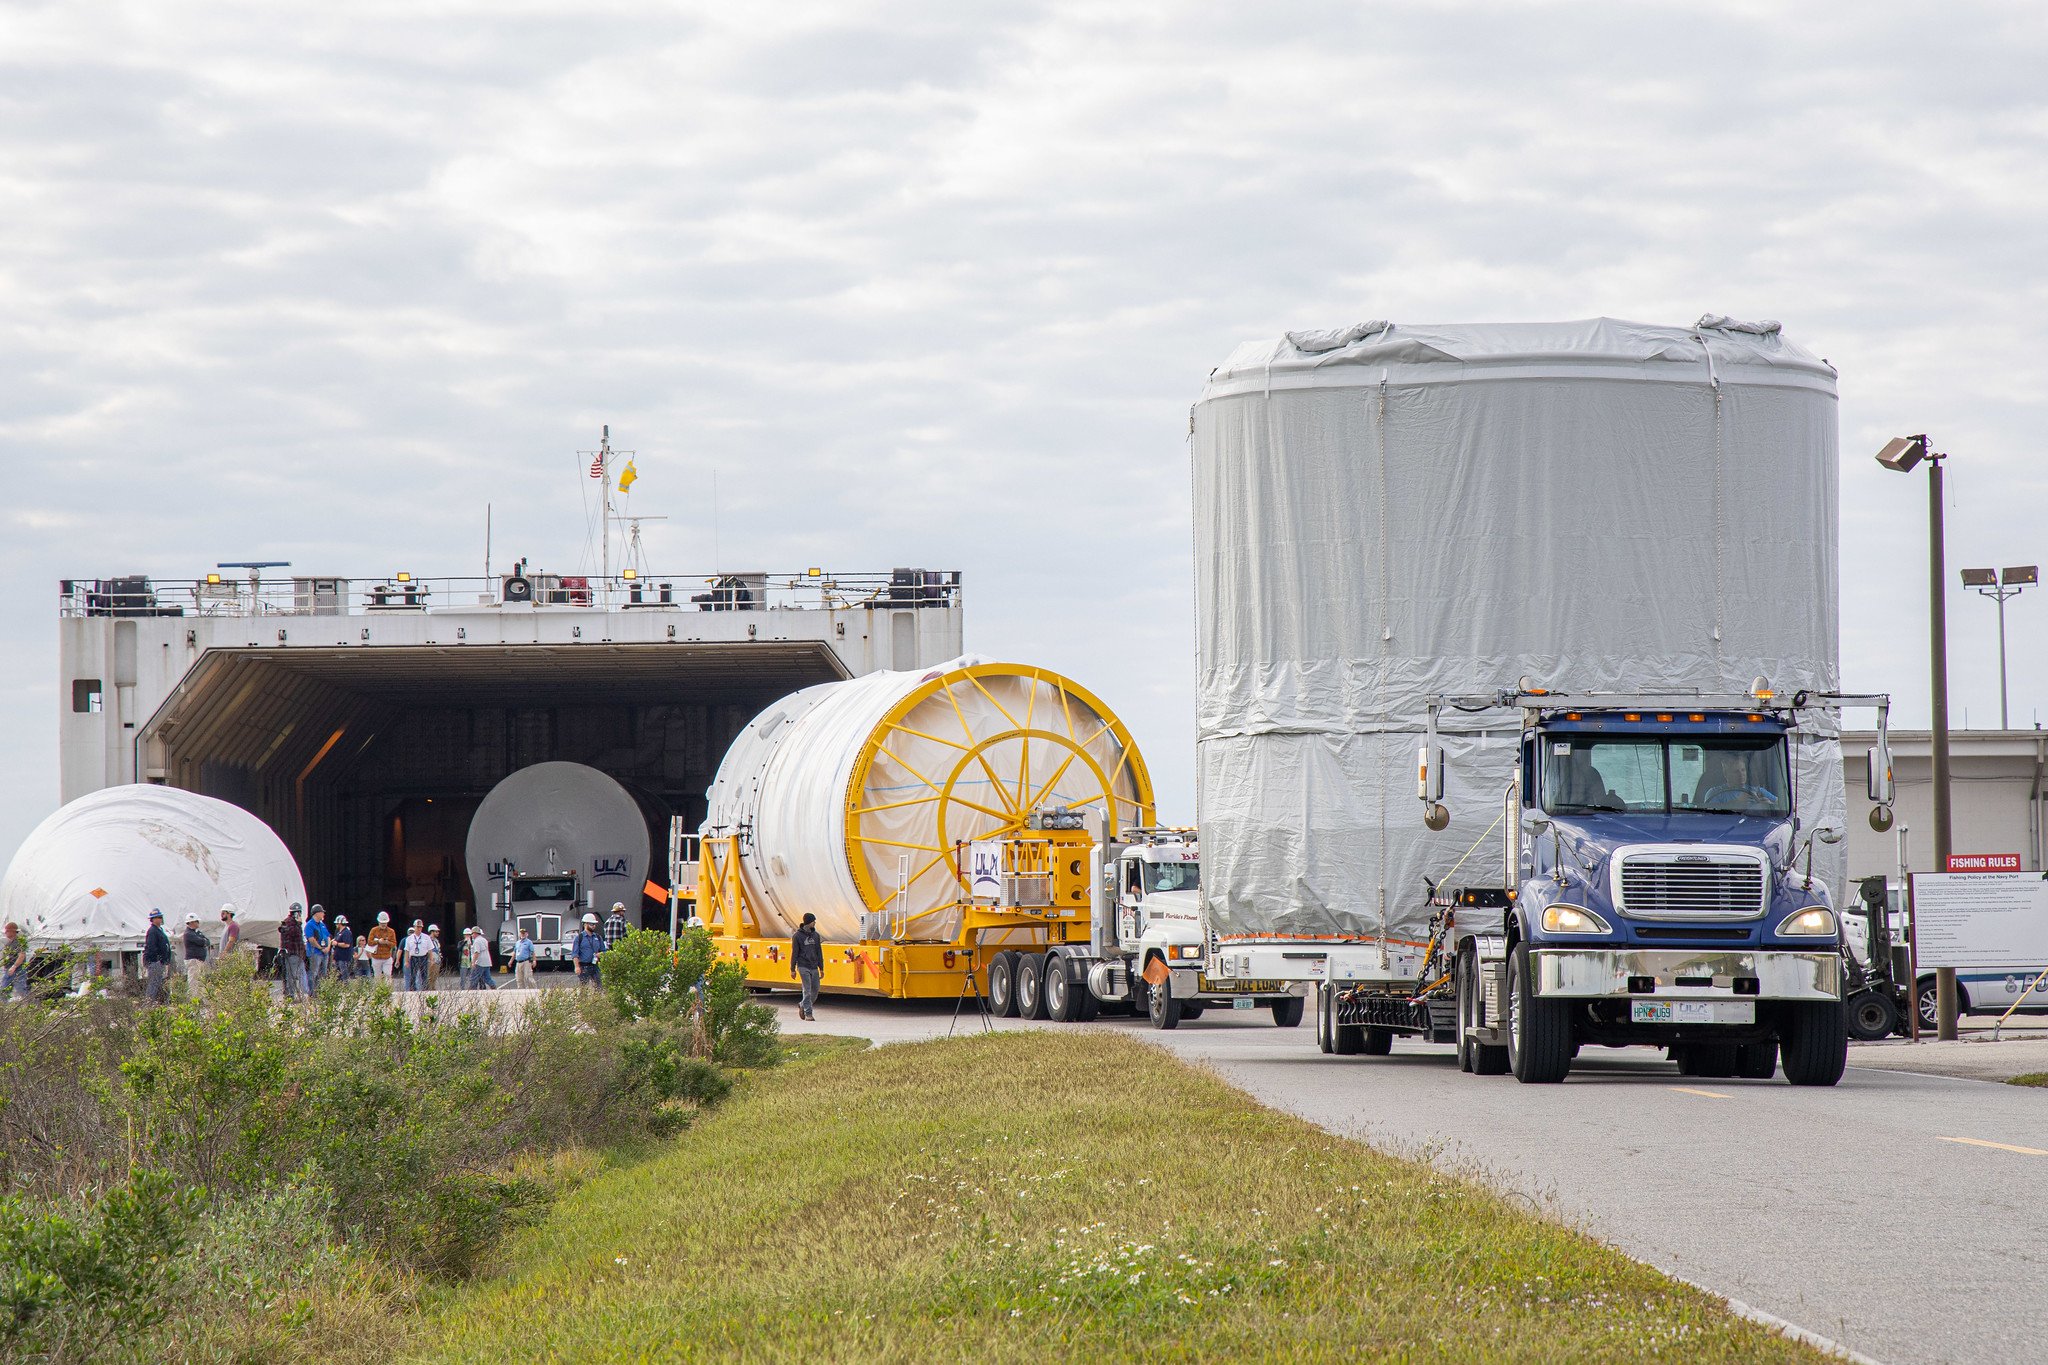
(987, 795)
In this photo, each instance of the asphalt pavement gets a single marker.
(1904, 1216)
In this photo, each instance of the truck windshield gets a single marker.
(1173, 876)
(1721, 774)
(544, 889)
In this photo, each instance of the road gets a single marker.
(1904, 1216)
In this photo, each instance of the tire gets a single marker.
(1813, 1042)
(1287, 1013)
(1062, 996)
(1539, 1031)
(1375, 1042)
(1190, 1010)
(1475, 1057)
(1930, 1016)
(1872, 1015)
(1756, 1061)
(1002, 985)
(1713, 1061)
(1165, 1011)
(1326, 1014)
(1030, 986)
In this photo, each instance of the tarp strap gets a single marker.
(1386, 642)
(1720, 508)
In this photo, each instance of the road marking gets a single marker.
(1712, 1094)
(2001, 1146)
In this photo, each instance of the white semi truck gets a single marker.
(1147, 950)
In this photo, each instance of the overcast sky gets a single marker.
(934, 283)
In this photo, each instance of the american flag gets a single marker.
(597, 465)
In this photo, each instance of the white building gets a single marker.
(1995, 797)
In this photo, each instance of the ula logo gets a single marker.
(601, 868)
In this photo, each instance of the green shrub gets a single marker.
(70, 1287)
(663, 1064)
(648, 978)
(743, 1031)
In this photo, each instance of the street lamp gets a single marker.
(1998, 588)
(1900, 455)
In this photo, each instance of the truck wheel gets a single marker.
(1002, 985)
(1872, 1015)
(1539, 1031)
(1030, 986)
(1375, 1042)
(1713, 1061)
(1326, 1013)
(1062, 997)
(1756, 1061)
(1481, 1059)
(1813, 1042)
(1163, 1008)
(1190, 1010)
(1287, 1013)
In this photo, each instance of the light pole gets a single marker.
(1998, 587)
(1900, 455)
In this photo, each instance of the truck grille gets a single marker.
(1663, 887)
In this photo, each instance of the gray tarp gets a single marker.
(1384, 513)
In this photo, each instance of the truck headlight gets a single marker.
(1813, 922)
(1572, 919)
(1187, 950)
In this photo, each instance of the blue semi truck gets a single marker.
(1656, 888)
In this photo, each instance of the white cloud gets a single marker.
(314, 284)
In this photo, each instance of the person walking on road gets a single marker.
(807, 963)
(197, 949)
(291, 954)
(476, 960)
(522, 961)
(13, 962)
(318, 938)
(383, 946)
(156, 958)
(434, 954)
(588, 944)
(419, 957)
(231, 932)
(615, 929)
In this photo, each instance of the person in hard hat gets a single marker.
(343, 948)
(291, 954)
(156, 958)
(522, 961)
(807, 963)
(382, 944)
(231, 931)
(615, 929)
(419, 956)
(476, 960)
(588, 944)
(197, 950)
(434, 957)
(318, 939)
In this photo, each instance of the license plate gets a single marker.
(1692, 1011)
(1244, 1002)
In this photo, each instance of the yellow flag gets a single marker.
(626, 477)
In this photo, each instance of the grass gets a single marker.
(2039, 1078)
(1020, 1197)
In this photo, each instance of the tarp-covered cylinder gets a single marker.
(559, 817)
(850, 797)
(1385, 513)
(89, 875)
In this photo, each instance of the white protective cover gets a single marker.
(787, 776)
(1384, 513)
(89, 875)
(559, 817)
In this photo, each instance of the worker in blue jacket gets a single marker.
(584, 950)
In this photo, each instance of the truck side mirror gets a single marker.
(1429, 773)
(1878, 767)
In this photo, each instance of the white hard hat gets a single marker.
(341, 919)
(383, 917)
(433, 928)
(191, 917)
(590, 919)
(227, 909)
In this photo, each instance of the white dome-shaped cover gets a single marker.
(847, 790)
(89, 875)
(1384, 513)
(559, 817)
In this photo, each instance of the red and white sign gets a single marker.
(1983, 862)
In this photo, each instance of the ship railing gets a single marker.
(225, 594)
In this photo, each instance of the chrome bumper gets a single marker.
(1603, 973)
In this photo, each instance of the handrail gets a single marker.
(226, 596)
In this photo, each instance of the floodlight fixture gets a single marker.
(2021, 575)
(629, 574)
(1901, 453)
(405, 578)
(1980, 578)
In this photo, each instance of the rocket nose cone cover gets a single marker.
(93, 871)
